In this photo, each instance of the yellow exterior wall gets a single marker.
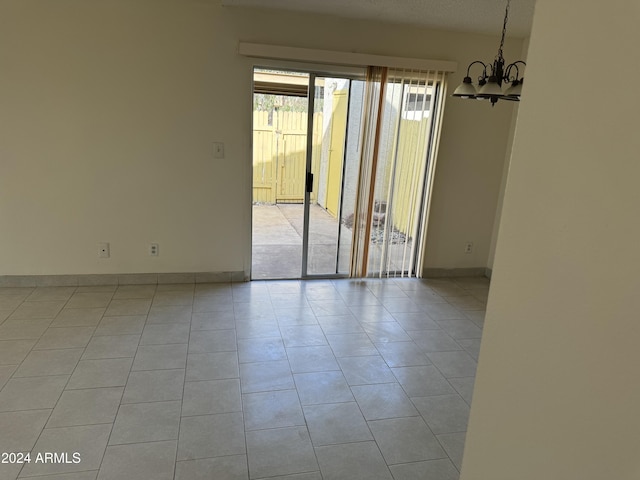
(336, 150)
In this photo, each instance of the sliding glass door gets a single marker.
(332, 171)
(343, 168)
(305, 166)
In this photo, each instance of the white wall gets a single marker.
(505, 171)
(467, 180)
(108, 114)
(503, 185)
(557, 390)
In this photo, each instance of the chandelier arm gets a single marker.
(514, 65)
(507, 72)
(484, 66)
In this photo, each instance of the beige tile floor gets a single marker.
(334, 380)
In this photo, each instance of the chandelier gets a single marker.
(497, 81)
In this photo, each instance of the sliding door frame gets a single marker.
(349, 72)
(313, 71)
(311, 110)
(313, 75)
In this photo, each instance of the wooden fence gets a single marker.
(410, 156)
(279, 155)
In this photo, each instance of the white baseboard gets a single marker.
(120, 279)
(454, 272)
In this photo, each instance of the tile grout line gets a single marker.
(104, 453)
(244, 424)
(295, 386)
(184, 381)
(65, 385)
(413, 403)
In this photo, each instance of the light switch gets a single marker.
(218, 150)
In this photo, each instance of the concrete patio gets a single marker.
(277, 243)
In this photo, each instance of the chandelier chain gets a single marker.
(504, 29)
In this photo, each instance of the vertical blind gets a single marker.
(371, 116)
(401, 125)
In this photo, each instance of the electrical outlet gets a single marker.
(468, 247)
(154, 249)
(103, 250)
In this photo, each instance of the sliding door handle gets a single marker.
(309, 182)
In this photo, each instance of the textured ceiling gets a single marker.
(482, 16)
